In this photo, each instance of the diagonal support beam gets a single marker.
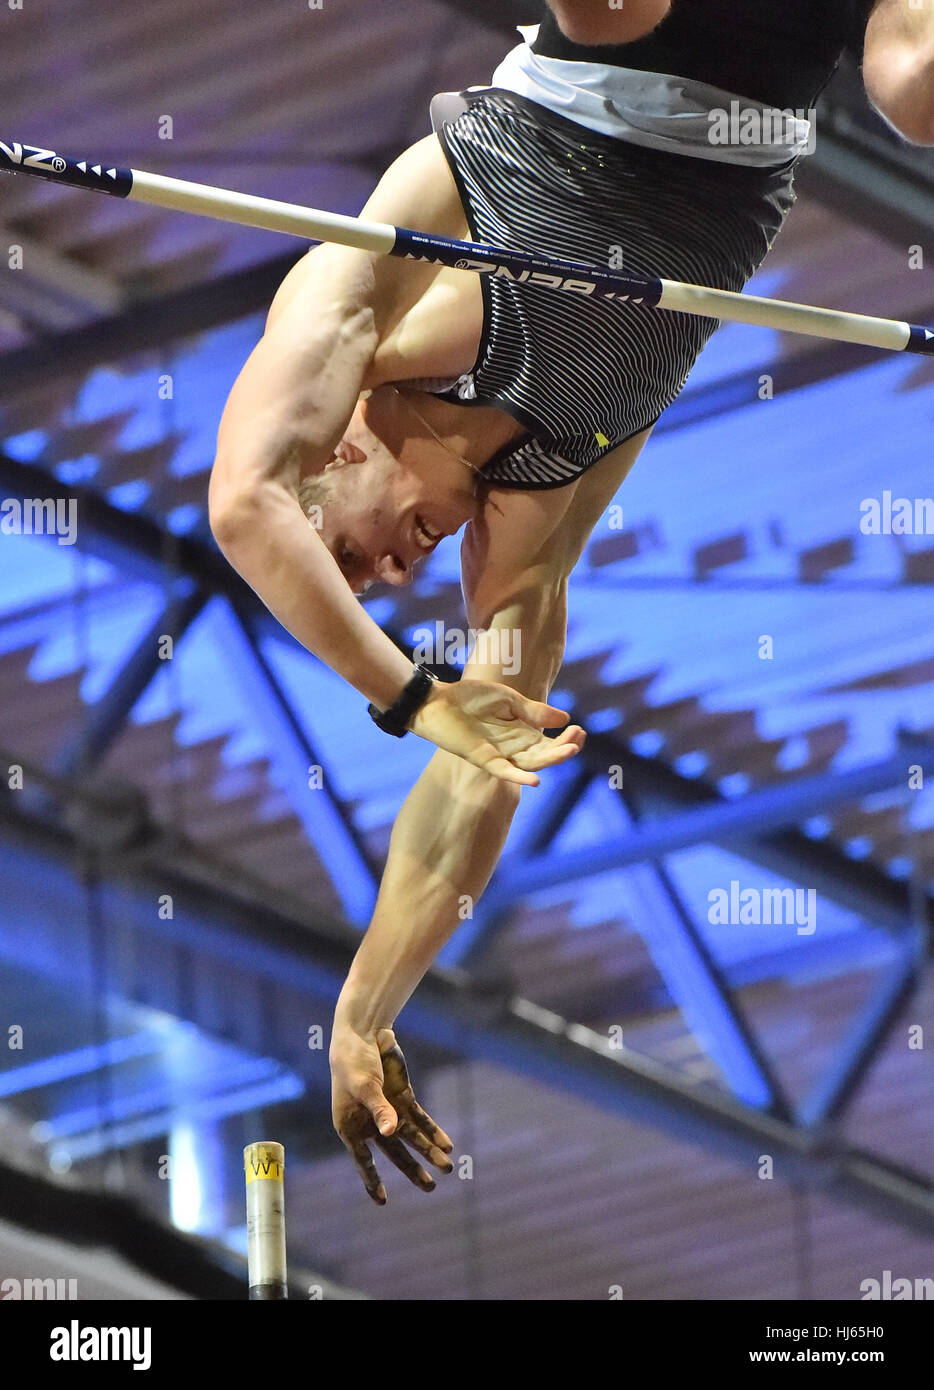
(697, 986)
(858, 1050)
(108, 715)
(132, 541)
(327, 824)
(772, 808)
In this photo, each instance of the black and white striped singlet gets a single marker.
(583, 375)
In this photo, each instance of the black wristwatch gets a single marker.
(394, 719)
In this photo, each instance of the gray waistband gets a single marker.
(658, 110)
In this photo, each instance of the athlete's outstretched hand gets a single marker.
(496, 729)
(372, 1102)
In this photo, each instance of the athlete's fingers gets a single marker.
(538, 714)
(487, 758)
(548, 753)
(396, 1151)
(395, 1076)
(370, 1095)
(363, 1161)
(572, 734)
(428, 1126)
(423, 1145)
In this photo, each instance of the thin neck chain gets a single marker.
(419, 416)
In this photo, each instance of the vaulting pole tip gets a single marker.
(264, 1165)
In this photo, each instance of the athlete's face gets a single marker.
(390, 499)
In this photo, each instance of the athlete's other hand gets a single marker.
(372, 1102)
(496, 729)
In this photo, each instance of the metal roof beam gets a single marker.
(109, 713)
(720, 822)
(220, 927)
(138, 543)
(146, 326)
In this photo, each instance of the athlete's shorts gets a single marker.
(583, 375)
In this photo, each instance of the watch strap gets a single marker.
(394, 719)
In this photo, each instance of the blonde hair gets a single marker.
(315, 491)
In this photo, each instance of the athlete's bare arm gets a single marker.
(286, 414)
(451, 830)
(285, 417)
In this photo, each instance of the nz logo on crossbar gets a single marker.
(48, 162)
(37, 158)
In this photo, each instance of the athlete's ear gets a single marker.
(349, 453)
